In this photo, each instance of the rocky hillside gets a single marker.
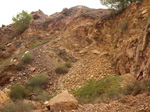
(98, 45)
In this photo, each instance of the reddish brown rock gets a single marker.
(135, 56)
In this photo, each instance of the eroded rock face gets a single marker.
(135, 58)
(63, 101)
(6, 74)
(38, 18)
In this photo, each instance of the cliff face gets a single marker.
(127, 36)
(62, 35)
(135, 55)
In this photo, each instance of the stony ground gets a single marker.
(139, 103)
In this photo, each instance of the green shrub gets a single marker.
(2, 47)
(21, 21)
(137, 89)
(118, 5)
(107, 88)
(61, 69)
(5, 63)
(38, 81)
(19, 106)
(27, 58)
(128, 89)
(68, 64)
(133, 89)
(18, 91)
(44, 96)
(146, 86)
(36, 44)
(20, 66)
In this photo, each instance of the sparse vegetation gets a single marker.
(18, 91)
(68, 64)
(117, 5)
(105, 89)
(66, 33)
(4, 63)
(146, 86)
(2, 47)
(27, 58)
(1, 59)
(137, 88)
(38, 80)
(108, 89)
(44, 96)
(64, 68)
(61, 69)
(20, 66)
(21, 21)
(133, 89)
(19, 106)
(36, 44)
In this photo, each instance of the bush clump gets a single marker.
(21, 21)
(27, 58)
(38, 80)
(137, 88)
(19, 106)
(18, 91)
(63, 69)
(133, 89)
(107, 88)
(118, 5)
(44, 96)
(68, 64)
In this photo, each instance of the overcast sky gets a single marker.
(10, 8)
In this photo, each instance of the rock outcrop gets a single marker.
(6, 34)
(135, 56)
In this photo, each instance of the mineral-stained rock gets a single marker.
(63, 101)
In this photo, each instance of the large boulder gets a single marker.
(63, 101)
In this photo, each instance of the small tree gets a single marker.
(118, 5)
(21, 21)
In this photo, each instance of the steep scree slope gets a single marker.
(90, 36)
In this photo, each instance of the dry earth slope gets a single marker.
(99, 45)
